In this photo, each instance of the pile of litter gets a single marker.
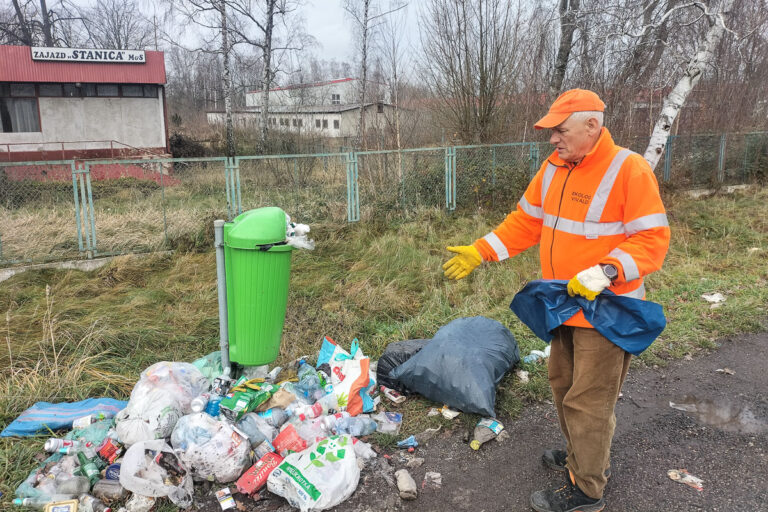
(294, 431)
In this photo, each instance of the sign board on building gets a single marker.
(89, 55)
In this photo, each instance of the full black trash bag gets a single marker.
(462, 365)
(394, 355)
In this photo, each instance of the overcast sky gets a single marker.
(327, 21)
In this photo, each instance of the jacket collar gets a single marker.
(603, 147)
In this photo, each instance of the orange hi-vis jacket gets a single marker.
(605, 209)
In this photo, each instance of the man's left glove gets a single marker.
(589, 283)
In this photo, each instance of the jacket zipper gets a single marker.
(557, 219)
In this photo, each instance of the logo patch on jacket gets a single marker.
(580, 197)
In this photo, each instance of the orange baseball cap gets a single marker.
(575, 100)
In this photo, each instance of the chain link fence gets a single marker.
(59, 210)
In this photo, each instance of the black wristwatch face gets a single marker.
(610, 271)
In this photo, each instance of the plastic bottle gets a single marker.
(485, 430)
(329, 421)
(72, 485)
(39, 503)
(312, 431)
(274, 416)
(109, 490)
(252, 425)
(88, 468)
(91, 504)
(355, 426)
(212, 406)
(88, 420)
(199, 402)
(309, 382)
(308, 412)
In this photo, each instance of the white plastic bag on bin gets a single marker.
(141, 475)
(160, 397)
(210, 449)
(319, 477)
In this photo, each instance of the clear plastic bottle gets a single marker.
(309, 382)
(72, 485)
(39, 503)
(355, 426)
(329, 421)
(199, 402)
(256, 428)
(90, 504)
(109, 490)
(274, 416)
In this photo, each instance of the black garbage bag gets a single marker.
(462, 365)
(394, 355)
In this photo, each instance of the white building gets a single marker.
(65, 103)
(327, 109)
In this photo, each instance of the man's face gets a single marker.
(574, 138)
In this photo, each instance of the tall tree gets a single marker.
(568, 12)
(693, 72)
(118, 24)
(471, 61)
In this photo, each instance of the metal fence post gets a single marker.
(227, 189)
(162, 198)
(668, 158)
(84, 217)
(353, 196)
(236, 170)
(721, 160)
(533, 156)
(450, 178)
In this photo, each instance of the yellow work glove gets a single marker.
(466, 260)
(589, 283)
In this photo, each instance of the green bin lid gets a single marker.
(256, 228)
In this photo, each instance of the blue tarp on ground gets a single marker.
(44, 415)
(632, 324)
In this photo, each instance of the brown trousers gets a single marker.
(586, 372)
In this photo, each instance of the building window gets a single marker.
(294, 122)
(50, 90)
(150, 91)
(325, 123)
(106, 90)
(17, 112)
(335, 99)
(317, 123)
(133, 91)
(335, 124)
(301, 123)
(71, 91)
(380, 108)
(23, 90)
(88, 90)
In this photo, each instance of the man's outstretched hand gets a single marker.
(466, 260)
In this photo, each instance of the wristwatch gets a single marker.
(610, 271)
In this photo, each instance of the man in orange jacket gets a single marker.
(594, 209)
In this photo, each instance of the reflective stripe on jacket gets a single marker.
(605, 209)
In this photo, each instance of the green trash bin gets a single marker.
(258, 268)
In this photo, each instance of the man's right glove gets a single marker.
(466, 260)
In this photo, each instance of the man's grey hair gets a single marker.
(587, 114)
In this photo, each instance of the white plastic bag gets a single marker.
(319, 477)
(210, 449)
(160, 397)
(141, 475)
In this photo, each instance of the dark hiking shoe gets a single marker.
(568, 498)
(555, 459)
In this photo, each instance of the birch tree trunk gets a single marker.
(363, 75)
(227, 79)
(693, 71)
(266, 83)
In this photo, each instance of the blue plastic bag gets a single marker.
(43, 416)
(632, 324)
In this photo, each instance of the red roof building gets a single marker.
(64, 103)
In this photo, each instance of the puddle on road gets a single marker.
(723, 414)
